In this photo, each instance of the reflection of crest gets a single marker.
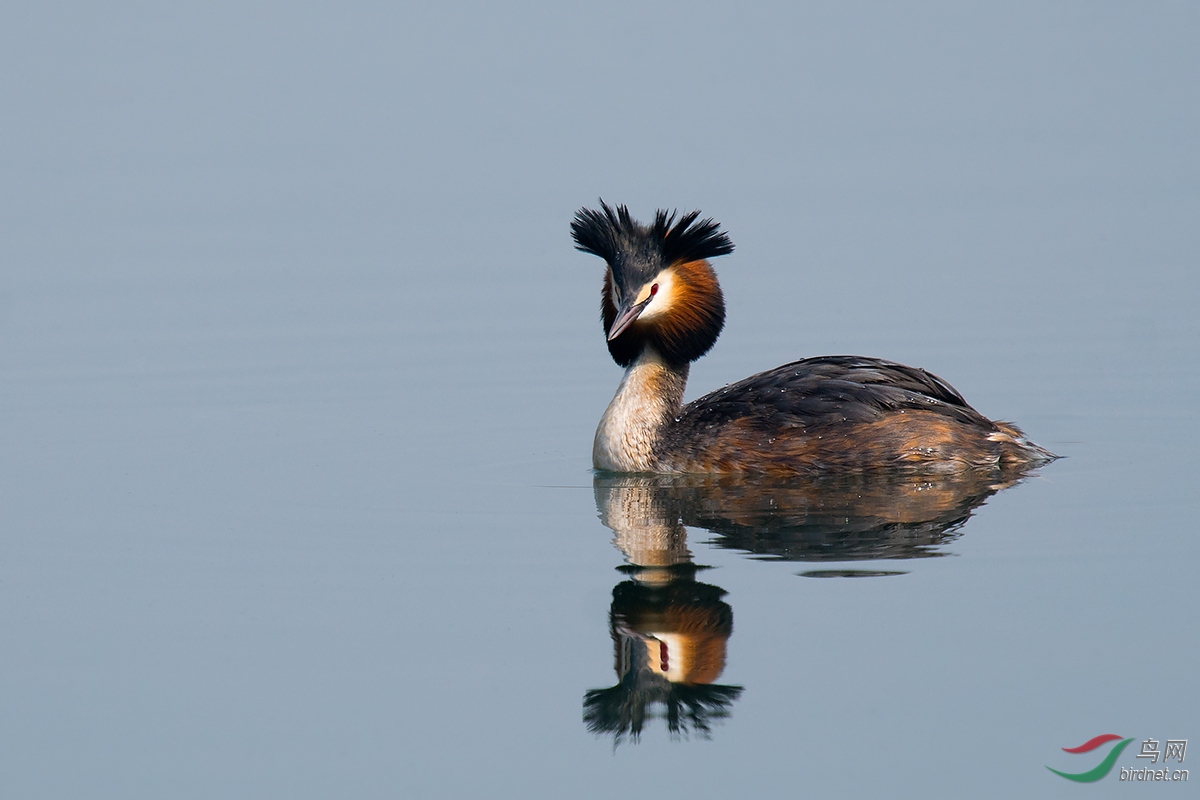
(669, 634)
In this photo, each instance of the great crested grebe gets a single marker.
(662, 309)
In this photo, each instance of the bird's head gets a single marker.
(659, 289)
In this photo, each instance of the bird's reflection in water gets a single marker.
(670, 630)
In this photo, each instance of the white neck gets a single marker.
(649, 398)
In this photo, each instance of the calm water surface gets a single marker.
(299, 374)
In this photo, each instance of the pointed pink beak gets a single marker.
(626, 317)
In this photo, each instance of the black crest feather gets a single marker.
(636, 251)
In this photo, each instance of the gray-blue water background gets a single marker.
(299, 373)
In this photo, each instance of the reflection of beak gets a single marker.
(625, 318)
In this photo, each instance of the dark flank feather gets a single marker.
(828, 390)
(832, 412)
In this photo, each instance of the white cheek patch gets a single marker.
(663, 298)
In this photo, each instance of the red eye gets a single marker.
(654, 290)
